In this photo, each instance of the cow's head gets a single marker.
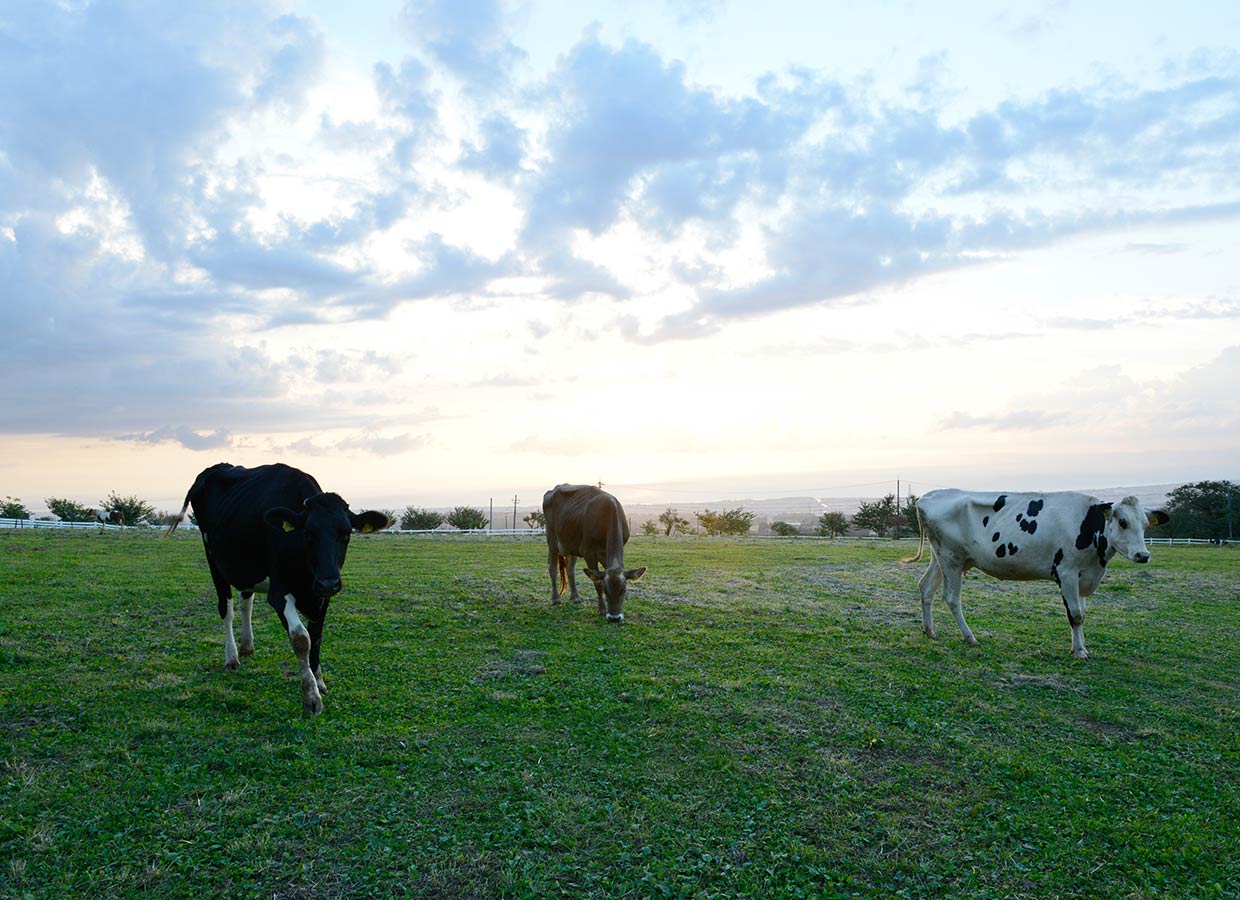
(614, 582)
(324, 525)
(1125, 528)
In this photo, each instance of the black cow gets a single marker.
(587, 522)
(273, 528)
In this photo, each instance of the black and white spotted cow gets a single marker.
(273, 528)
(1064, 537)
(109, 517)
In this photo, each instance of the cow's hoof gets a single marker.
(931, 633)
(971, 641)
(247, 651)
(1081, 654)
(311, 706)
(555, 601)
(232, 664)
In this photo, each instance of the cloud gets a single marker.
(186, 437)
(360, 443)
(1018, 420)
(1197, 403)
(467, 38)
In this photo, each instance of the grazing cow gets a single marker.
(1064, 537)
(273, 528)
(587, 522)
(109, 517)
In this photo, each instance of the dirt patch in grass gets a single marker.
(1019, 680)
(522, 663)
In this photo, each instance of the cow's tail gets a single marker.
(563, 560)
(179, 519)
(921, 539)
(189, 496)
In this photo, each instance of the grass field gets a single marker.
(769, 722)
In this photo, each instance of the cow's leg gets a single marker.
(553, 567)
(299, 638)
(953, 575)
(1074, 603)
(223, 592)
(230, 642)
(572, 580)
(598, 586)
(247, 626)
(930, 582)
(316, 643)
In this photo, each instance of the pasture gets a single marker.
(769, 722)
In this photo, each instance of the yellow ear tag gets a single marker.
(289, 526)
(367, 528)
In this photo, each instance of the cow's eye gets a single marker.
(1122, 523)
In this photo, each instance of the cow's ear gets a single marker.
(281, 518)
(596, 577)
(634, 574)
(1156, 518)
(368, 521)
(1106, 510)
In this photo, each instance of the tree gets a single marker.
(731, 521)
(907, 517)
(536, 519)
(13, 508)
(1203, 509)
(465, 517)
(68, 511)
(134, 510)
(832, 524)
(784, 529)
(649, 527)
(671, 521)
(417, 519)
(877, 516)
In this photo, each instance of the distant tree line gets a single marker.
(1208, 510)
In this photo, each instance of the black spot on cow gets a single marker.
(1029, 526)
(1092, 526)
(1035, 507)
(994, 537)
(1002, 551)
(1012, 548)
(999, 504)
(985, 521)
(1054, 564)
(1102, 550)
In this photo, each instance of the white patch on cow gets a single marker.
(299, 637)
(618, 617)
(247, 625)
(230, 643)
(293, 618)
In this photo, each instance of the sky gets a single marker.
(442, 251)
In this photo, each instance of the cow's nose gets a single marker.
(1141, 557)
(616, 617)
(329, 587)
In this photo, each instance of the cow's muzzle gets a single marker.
(1141, 557)
(327, 587)
(615, 617)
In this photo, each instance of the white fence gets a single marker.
(187, 525)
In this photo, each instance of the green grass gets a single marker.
(769, 722)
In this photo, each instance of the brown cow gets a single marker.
(585, 521)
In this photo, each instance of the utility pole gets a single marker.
(491, 517)
(514, 512)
